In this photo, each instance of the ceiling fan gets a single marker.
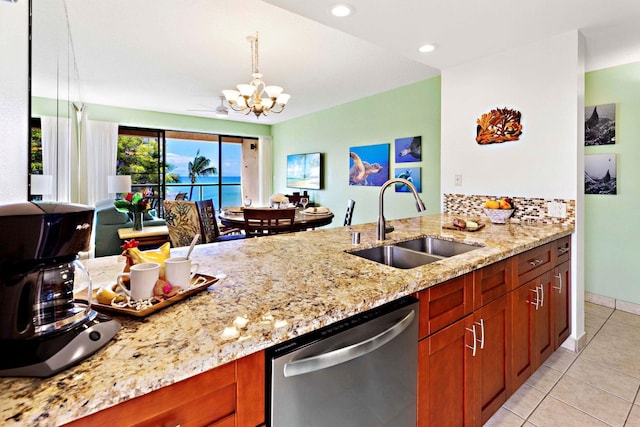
(221, 111)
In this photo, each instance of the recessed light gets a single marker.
(426, 48)
(342, 10)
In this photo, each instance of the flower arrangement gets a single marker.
(133, 202)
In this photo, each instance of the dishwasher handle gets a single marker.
(345, 354)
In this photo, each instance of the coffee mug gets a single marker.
(180, 270)
(142, 279)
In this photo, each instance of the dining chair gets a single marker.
(266, 221)
(183, 221)
(211, 231)
(347, 217)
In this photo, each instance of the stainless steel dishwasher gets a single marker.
(357, 372)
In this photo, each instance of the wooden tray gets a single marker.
(471, 230)
(210, 280)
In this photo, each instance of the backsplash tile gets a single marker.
(532, 210)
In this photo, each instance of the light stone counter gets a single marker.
(284, 285)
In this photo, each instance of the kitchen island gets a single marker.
(282, 286)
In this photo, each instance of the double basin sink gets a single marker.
(416, 252)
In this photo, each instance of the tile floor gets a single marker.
(596, 387)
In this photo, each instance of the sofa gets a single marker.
(106, 221)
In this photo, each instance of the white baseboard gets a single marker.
(618, 304)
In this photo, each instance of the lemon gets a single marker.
(105, 295)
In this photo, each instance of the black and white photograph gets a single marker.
(600, 174)
(600, 125)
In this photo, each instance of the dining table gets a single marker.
(304, 219)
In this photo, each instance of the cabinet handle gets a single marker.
(537, 302)
(475, 338)
(536, 262)
(562, 251)
(559, 287)
(481, 340)
(542, 295)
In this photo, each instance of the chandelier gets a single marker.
(249, 97)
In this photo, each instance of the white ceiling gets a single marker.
(170, 56)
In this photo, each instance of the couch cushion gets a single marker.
(111, 215)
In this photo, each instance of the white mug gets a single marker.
(142, 279)
(180, 270)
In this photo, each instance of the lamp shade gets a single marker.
(119, 184)
(41, 184)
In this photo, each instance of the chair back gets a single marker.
(347, 217)
(181, 196)
(208, 221)
(265, 221)
(183, 221)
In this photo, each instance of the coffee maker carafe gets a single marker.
(46, 320)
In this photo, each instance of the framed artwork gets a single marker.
(410, 174)
(600, 125)
(369, 165)
(600, 174)
(499, 125)
(408, 149)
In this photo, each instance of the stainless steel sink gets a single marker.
(439, 247)
(396, 256)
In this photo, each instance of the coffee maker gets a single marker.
(46, 320)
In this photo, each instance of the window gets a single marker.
(186, 165)
(208, 167)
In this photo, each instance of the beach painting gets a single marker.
(410, 174)
(369, 165)
(408, 149)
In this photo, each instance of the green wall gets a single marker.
(611, 235)
(154, 119)
(412, 110)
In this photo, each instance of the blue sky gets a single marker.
(180, 152)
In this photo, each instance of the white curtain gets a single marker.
(265, 156)
(56, 156)
(102, 150)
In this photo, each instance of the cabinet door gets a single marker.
(561, 297)
(491, 363)
(543, 324)
(445, 376)
(522, 302)
(443, 304)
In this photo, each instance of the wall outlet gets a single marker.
(458, 180)
(557, 209)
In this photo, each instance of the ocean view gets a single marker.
(206, 187)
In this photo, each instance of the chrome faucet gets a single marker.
(381, 233)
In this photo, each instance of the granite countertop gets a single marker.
(283, 286)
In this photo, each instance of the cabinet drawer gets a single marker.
(561, 250)
(443, 304)
(492, 282)
(200, 400)
(532, 263)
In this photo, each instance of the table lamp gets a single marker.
(119, 184)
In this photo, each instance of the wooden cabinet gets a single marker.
(228, 396)
(491, 365)
(445, 376)
(472, 359)
(561, 302)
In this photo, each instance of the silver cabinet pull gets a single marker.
(559, 287)
(542, 295)
(481, 340)
(475, 339)
(350, 352)
(562, 251)
(536, 262)
(537, 302)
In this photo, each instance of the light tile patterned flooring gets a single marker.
(596, 387)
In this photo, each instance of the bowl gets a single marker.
(499, 216)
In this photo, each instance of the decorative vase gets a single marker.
(137, 221)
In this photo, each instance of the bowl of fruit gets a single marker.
(499, 211)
